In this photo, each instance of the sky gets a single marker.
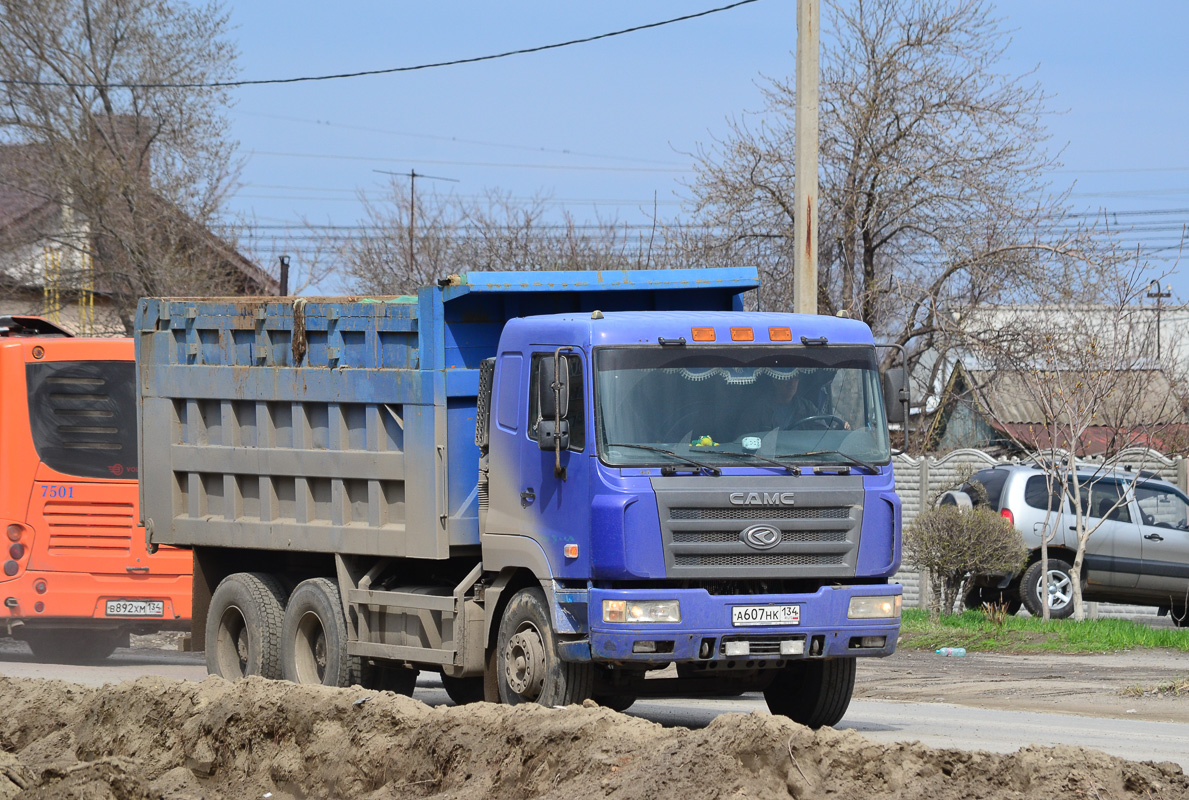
(607, 128)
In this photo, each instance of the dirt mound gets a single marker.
(161, 738)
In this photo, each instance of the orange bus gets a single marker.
(76, 576)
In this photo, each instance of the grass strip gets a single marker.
(976, 632)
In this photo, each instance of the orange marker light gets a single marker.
(742, 335)
(571, 550)
(703, 334)
(780, 334)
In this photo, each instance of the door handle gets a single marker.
(1155, 537)
(527, 496)
(137, 569)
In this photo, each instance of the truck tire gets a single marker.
(1060, 589)
(384, 676)
(813, 693)
(314, 637)
(615, 702)
(243, 627)
(74, 646)
(528, 667)
(463, 691)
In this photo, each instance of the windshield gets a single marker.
(731, 406)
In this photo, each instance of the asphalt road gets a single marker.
(934, 724)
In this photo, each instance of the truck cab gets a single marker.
(709, 490)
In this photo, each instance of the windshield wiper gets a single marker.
(715, 471)
(857, 462)
(791, 468)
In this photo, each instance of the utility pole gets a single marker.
(413, 176)
(1156, 291)
(805, 159)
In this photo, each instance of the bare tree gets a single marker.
(450, 235)
(1087, 365)
(111, 100)
(933, 200)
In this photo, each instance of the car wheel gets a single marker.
(991, 595)
(1179, 616)
(1060, 598)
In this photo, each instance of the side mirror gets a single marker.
(552, 435)
(895, 393)
(553, 389)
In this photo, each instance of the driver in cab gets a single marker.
(793, 404)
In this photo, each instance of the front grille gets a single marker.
(74, 527)
(757, 560)
(758, 512)
(730, 537)
(708, 536)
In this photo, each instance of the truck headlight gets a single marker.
(874, 607)
(643, 611)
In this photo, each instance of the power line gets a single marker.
(456, 139)
(367, 73)
(497, 164)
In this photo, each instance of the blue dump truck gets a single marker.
(546, 486)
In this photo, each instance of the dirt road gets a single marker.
(157, 737)
(1093, 685)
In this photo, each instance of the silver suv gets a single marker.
(1139, 554)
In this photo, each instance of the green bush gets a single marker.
(948, 543)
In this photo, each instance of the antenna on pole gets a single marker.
(413, 176)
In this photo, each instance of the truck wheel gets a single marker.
(66, 646)
(384, 676)
(527, 664)
(615, 702)
(314, 637)
(1060, 589)
(814, 693)
(243, 627)
(463, 691)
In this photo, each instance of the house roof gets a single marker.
(24, 200)
(1006, 396)
(1153, 416)
(27, 205)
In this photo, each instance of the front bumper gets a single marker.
(706, 626)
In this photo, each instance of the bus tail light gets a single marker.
(14, 532)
